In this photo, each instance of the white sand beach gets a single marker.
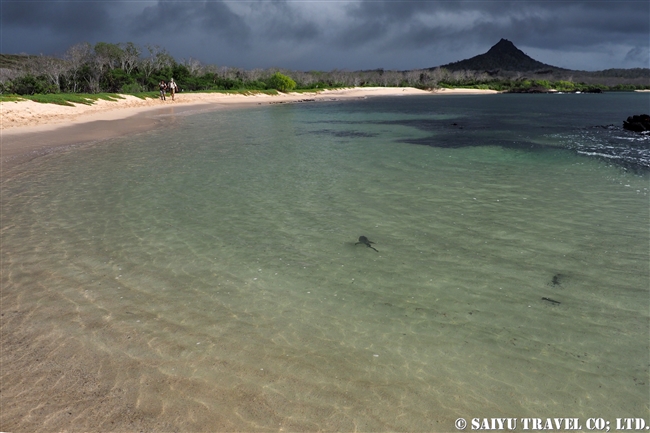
(28, 114)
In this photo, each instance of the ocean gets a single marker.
(206, 276)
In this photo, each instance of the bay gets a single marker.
(207, 277)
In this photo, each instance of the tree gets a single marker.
(193, 66)
(31, 85)
(148, 65)
(7, 75)
(164, 60)
(49, 67)
(104, 58)
(281, 82)
(304, 79)
(108, 55)
(77, 56)
(129, 57)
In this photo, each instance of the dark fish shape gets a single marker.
(364, 240)
(552, 301)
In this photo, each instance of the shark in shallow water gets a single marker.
(365, 241)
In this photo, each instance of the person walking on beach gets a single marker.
(173, 87)
(163, 87)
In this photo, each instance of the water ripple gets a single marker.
(611, 143)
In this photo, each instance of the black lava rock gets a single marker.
(640, 123)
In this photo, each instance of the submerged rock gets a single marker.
(640, 123)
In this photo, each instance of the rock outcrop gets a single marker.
(640, 123)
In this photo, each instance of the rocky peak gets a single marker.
(504, 55)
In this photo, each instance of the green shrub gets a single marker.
(281, 82)
(564, 86)
(256, 85)
(542, 83)
(132, 88)
(70, 98)
(30, 85)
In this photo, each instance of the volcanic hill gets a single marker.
(503, 56)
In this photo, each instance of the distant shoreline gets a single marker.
(30, 129)
(29, 114)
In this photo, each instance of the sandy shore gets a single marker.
(28, 114)
(28, 129)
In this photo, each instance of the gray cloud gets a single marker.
(548, 24)
(180, 18)
(281, 21)
(65, 17)
(356, 34)
(639, 55)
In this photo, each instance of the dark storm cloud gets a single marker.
(79, 19)
(283, 22)
(638, 55)
(393, 34)
(547, 24)
(181, 18)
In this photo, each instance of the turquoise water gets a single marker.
(205, 276)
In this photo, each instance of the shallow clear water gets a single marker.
(206, 275)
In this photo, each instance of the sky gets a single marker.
(348, 35)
